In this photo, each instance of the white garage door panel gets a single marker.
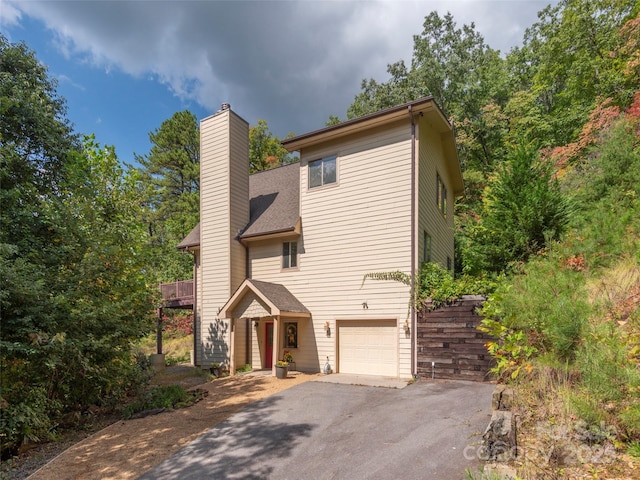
(368, 348)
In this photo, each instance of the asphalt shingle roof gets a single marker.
(275, 201)
(274, 204)
(191, 240)
(278, 294)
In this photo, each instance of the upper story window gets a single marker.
(290, 255)
(441, 195)
(322, 171)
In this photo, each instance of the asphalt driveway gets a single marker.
(332, 431)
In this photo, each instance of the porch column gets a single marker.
(276, 344)
(159, 332)
(232, 347)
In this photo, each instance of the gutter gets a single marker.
(413, 244)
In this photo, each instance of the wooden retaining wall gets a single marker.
(449, 344)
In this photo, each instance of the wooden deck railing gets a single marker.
(181, 289)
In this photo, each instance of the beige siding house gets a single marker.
(280, 256)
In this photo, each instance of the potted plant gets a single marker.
(287, 357)
(282, 369)
(216, 370)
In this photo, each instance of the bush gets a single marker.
(168, 396)
(547, 302)
(25, 416)
(178, 325)
(438, 285)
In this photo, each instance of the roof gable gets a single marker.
(257, 298)
(274, 201)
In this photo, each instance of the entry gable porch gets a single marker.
(258, 299)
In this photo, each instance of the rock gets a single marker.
(502, 398)
(500, 437)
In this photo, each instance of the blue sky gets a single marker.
(125, 67)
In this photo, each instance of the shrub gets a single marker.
(168, 396)
(25, 416)
(547, 303)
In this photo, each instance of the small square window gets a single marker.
(289, 254)
(322, 172)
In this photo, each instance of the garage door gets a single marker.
(368, 347)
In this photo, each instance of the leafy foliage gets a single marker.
(265, 149)
(573, 306)
(73, 292)
(523, 210)
(436, 284)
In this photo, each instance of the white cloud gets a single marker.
(9, 15)
(62, 78)
(293, 63)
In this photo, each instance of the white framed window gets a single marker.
(323, 171)
(289, 255)
(441, 195)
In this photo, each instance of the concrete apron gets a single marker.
(344, 379)
(366, 380)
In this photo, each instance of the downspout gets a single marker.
(247, 270)
(413, 244)
(195, 308)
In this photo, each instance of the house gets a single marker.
(280, 256)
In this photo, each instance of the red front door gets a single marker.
(268, 351)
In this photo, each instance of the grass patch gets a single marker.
(634, 449)
(177, 349)
(162, 397)
(247, 368)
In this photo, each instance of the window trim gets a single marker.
(323, 184)
(441, 195)
(286, 342)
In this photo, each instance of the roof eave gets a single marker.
(293, 231)
(425, 105)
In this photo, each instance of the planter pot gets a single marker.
(292, 366)
(281, 372)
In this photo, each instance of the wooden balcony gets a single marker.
(177, 294)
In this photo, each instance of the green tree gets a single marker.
(73, 294)
(170, 176)
(574, 55)
(35, 139)
(523, 210)
(265, 149)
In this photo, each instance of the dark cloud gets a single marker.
(292, 63)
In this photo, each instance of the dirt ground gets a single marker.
(128, 448)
